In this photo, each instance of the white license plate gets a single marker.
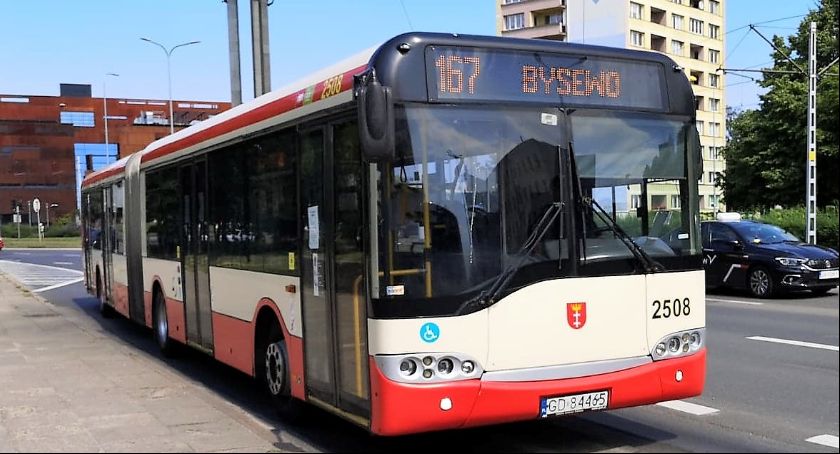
(573, 403)
(833, 274)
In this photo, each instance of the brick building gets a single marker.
(44, 141)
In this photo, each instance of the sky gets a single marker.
(47, 42)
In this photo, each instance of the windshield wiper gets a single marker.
(488, 296)
(650, 265)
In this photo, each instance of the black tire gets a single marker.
(820, 291)
(105, 309)
(271, 359)
(760, 282)
(160, 326)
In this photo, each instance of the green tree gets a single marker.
(766, 151)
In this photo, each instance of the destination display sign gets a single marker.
(476, 74)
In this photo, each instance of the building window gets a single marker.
(714, 153)
(714, 56)
(714, 128)
(637, 38)
(714, 7)
(700, 128)
(635, 201)
(713, 200)
(711, 178)
(515, 21)
(658, 202)
(714, 31)
(696, 26)
(696, 4)
(635, 10)
(78, 119)
(714, 104)
(678, 2)
(714, 79)
(675, 201)
(676, 47)
(677, 21)
(508, 2)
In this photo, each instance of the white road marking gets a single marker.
(40, 277)
(62, 284)
(825, 440)
(688, 407)
(793, 342)
(62, 263)
(748, 303)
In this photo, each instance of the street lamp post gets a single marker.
(169, 74)
(105, 107)
(50, 205)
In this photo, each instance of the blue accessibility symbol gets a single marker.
(429, 332)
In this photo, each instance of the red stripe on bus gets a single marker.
(400, 408)
(280, 106)
(264, 112)
(233, 342)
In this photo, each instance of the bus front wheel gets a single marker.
(272, 371)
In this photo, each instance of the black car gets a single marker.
(765, 259)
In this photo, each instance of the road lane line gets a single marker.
(825, 440)
(749, 303)
(797, 343)
(688, 407)
(62, 263)
(60, 284)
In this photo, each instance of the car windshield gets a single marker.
(762, 233)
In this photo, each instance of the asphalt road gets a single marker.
(772, 384)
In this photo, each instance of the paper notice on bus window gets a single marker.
(316, 276)
(314, 230)
(291, 261)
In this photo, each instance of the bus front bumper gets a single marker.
(399, 408)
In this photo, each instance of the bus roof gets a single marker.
(396, 66)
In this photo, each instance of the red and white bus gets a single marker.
(448, 231)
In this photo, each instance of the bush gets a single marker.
(793, 220)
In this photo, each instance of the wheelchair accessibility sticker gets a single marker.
(429, 332)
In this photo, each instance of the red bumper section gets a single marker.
(399, 408)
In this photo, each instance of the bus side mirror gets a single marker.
(376, 118)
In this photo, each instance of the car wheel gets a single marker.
(761, 283)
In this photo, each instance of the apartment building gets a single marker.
(689, 31)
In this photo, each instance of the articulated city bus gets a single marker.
(447, 231)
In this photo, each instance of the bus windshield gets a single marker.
(469, 185)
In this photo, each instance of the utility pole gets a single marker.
(233, 44)
(259, 47)
(811, 163)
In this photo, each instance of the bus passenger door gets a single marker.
(107, 240)
(194, 262)
(332, 274)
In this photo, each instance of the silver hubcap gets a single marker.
(275, 369)
(759, 282)
(162, 323)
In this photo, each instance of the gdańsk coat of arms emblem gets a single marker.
(576, 314)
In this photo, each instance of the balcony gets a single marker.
(551, 31)
(532, 6)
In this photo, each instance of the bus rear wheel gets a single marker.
(105, 309)
(272, 371)
(160, 325)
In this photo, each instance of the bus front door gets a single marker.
(194, 261)
(332, 273)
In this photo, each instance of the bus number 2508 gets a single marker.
(675, 307)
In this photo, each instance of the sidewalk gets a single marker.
(66, 385)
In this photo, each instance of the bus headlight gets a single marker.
(428, 367)
(679, 344)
